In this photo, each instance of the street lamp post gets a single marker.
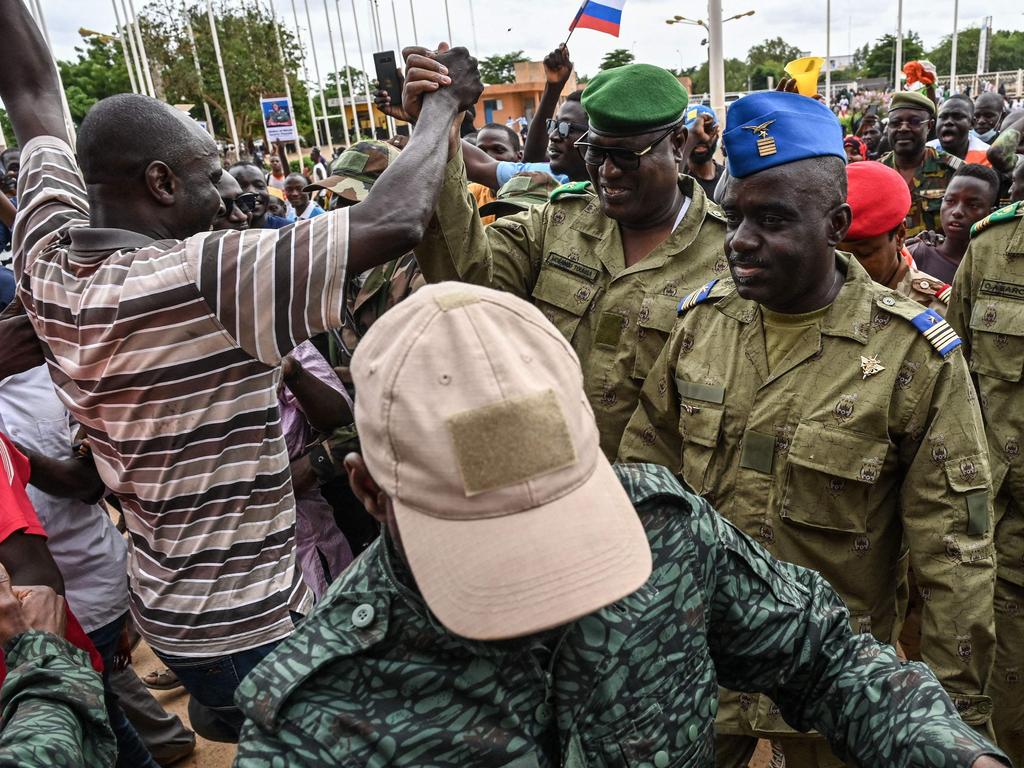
(952, 55)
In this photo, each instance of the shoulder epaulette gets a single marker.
(715, 210)
(950, 160)
(942, 293)
(1012, 211)
(696, 297)
(937, 331)
(573, 188)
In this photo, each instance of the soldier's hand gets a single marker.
(466, 85)
(558, 66)
(423, 74)
(12, 617)
(43, 609)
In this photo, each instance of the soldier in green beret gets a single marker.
(607, 260)
(987, 310)
(827, 416)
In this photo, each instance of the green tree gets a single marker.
(881, 57)
(98, 72)
(500, 68)
(8, 129)
(735, 76)
(1005, 52)
(772, 52)
(620, 57)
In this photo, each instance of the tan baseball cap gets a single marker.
(472, 418)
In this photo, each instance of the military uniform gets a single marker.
(52, 707)
(372, 678)
(926, 290)
(864, 441)
(988, 311)
(567, 258)
(930, 181)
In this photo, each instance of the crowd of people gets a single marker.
(572, 445)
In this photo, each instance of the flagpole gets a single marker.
(142, 50)
(134, 47)
(448, 18)
(337, 77)
(316, 70)
(348, 70)
(415, 34)
(575, 21)
(362, 64)
(122, 33)
(280, 54)
(223, 76)
(378, 30)
(472, 26)
(305, 77)
(199, 71)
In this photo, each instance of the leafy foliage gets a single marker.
(881, 58)
(620, 57)
(500, 68)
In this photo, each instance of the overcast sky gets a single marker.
(537, 26)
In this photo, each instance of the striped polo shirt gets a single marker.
(168, 352)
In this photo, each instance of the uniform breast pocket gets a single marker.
(831, 476)
(997, 334)
(563, 298)
(654, 321)
(700, 427)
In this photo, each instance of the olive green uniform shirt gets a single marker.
(838, 469)
(930, 181)
(987, 310)
(567, 258)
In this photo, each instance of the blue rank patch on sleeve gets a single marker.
(693, 299)
(938, 332)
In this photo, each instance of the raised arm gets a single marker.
(557, 71)
(29, 87)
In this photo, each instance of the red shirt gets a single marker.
(18, 514)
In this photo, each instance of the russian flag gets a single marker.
(603, 16)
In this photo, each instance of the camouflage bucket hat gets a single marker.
(353, 173)
(521, 192)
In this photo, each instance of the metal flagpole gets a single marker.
(69, 124)
(337, 77)
(448, 19)
(122, 32)
(199, 71)
(142, 50)
(379, 30)
(223, 76)
(398, 42)
(952, 55)
(280, 53)
(305, 75)
(136, 59)
(362, 64)
(828, 53)
(716, 65)
(472, 26)
(899, 43)
(348, 71)
(316, 69)
(415, 34)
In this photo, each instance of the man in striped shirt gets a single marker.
(166, 345)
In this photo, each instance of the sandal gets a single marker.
(161, 680)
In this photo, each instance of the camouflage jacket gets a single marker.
(567, 258)
(52, 706)
(371, 677)
(864, 442)
(930, 181)
(987, 309)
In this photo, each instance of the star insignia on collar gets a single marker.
(870, 366)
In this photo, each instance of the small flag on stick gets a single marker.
(603, 16)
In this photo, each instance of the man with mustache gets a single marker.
(827, 416)
(606, 261)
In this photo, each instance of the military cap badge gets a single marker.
(765, 143)
(869, 366)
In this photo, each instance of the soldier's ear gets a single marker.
(365, 487)
(839, 220)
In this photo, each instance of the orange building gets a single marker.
(516, 99)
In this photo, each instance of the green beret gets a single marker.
(912, 100)
(636, 98)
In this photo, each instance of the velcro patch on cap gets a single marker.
(351, 163)
(447, 301)
(511, 441)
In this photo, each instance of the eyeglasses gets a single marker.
(564, 127)
(246, 203)
(623, 159)
(911, 122)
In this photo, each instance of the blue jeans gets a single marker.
(131, 752)
(212, 683)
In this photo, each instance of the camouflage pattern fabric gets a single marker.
(863, 443)
(930, 181)
(567, 258)
(987, 310)
(372, 679)
(52, 706)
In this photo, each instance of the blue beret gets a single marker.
(775, 128)
(697, 110)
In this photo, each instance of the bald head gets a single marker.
(121, 135)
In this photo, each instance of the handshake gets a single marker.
(447, 73)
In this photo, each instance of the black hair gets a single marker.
(982, 173)
(122, 134)
(512, 135)
(575, 96)
(964, 99)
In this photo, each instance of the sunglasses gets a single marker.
(246, 203)
(623, 159)
(563, 127)
(910, 122)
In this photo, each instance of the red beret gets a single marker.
(879, 197)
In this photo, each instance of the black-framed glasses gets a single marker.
(563, 127)
(911, 122)
(245, 202)
(623, 159)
